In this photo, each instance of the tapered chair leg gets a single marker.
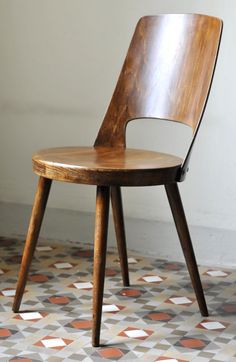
(116, 201)
(185, 240)
(100, 246)
(39, 206)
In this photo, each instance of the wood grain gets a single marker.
(167, 73)
(39, 206)
(106, 166)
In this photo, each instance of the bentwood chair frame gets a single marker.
(167, 74)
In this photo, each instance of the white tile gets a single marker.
(63, 265)
(9, 293)
(83, 285)
(132, 261)
(110, 308)
(54, 342)
(43, 248)
(1, 271)
(180, 300)
(213, 325)
(136, 333)
(217, 273)
(31, 316)
(152, 279)
(170, 360)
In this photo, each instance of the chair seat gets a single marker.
(107, 166)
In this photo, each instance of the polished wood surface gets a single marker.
(106, 166)
(100, 245)
(177, 209)
(167, 73)
(118, 216)
(39, 206)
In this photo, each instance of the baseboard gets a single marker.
(213, 247)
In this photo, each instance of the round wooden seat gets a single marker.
(107, 166)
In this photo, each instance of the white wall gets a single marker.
(59, 62)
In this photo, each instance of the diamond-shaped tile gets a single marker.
(83, 285)
(217, 273)
(180, 300)
(53, 342)
(152, 279)
(62, 265)
(30, 316)
(212, 325)
(8, 292)
(111, 308)
(136, 333)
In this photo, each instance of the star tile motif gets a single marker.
(62, 265)
(136, 333)
(217, 273)
(53, 342)
(55, 319)
(212, 325)
(111, 308)
(152, 279)
(82, 285)
(8, 292)
(31, 316)
(180, 300)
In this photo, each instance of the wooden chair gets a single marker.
(167, 74)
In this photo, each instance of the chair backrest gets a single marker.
(167, 74)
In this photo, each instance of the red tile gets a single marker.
(131, 293)
(4, 333)
(111, 272)
(194, 343)
(172, 266)
(38, 278)
(84, 253)
(161, 316)
(81, 324)
(59, 300)
(229, 308)
(111, 353)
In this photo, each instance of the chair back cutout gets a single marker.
(167, 74)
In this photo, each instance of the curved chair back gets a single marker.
(167, 74)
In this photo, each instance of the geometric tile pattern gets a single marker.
(155, 319)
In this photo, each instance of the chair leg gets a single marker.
(39, 206)
(100, 245)
(116, 201)
(185, 240)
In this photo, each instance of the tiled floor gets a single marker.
(156, 319)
